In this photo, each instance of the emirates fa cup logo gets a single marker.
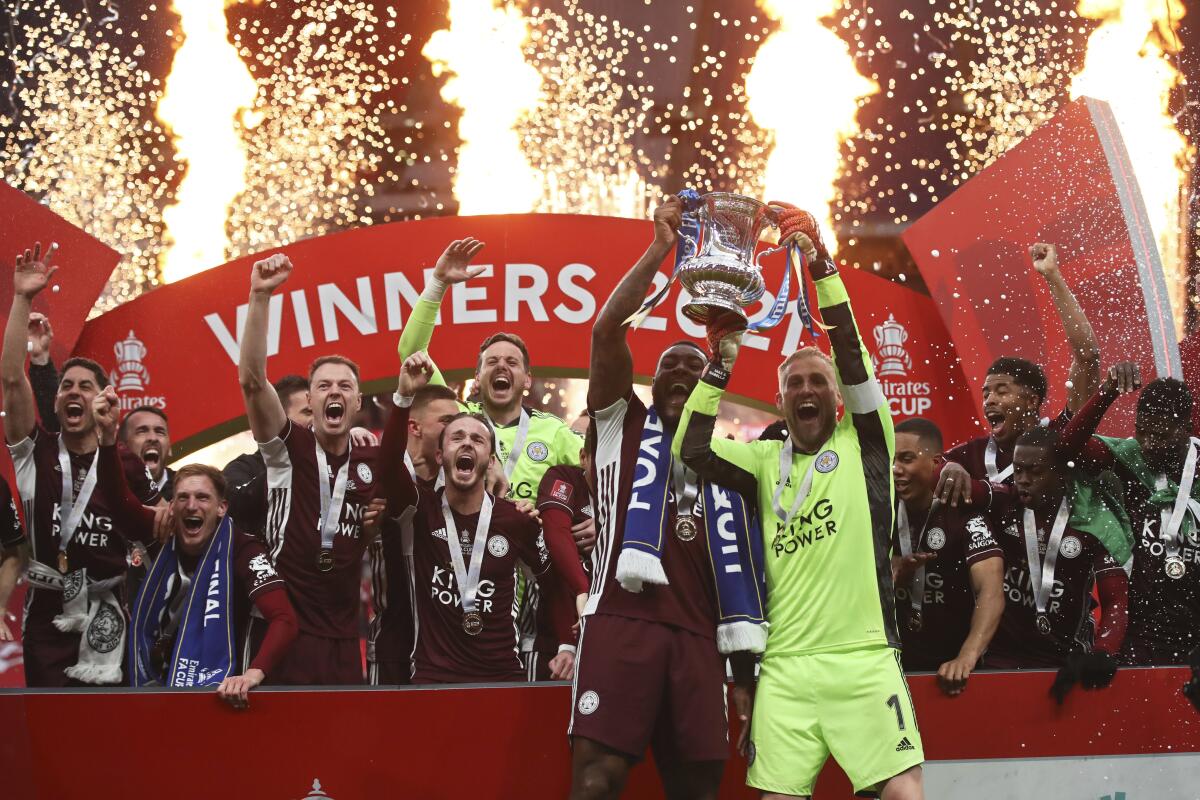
(891, 359)
(131, 374)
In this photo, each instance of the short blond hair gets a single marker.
(803, 352)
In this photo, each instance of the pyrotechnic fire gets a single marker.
(809, 116)
(206, 92)
(1127, 65)
(495, 87)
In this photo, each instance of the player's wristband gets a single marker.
(567, 648)
(716, 375)
(434, 290)
(401, 400)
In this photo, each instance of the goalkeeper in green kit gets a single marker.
(830, 681)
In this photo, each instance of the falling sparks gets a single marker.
(79, 137)
(318, 139)
(207, 137)
(1127, 65)
(809, 122)
(489, 79)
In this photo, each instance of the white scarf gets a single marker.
(90, 608)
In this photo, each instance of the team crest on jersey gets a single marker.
(827, 461)
(364, 473)
(936, 538)
(263, 571)
(537, 451)
(561, 490)
(498, 546)
(1071, 547)
(104, 633)
(589, 701)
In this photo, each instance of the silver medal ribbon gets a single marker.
(514, 453)
(687, 488)
(916, 591)
(466, 576)
(1170, 526)
(1041, 574)
(331, 501)
(70, 507)
(989, 463)
(785, 469)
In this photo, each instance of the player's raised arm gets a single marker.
(451, 268)
(1085, 351)
(262, 403)
(32, 274)
(396, 484)
(611, 372)
(724, 461)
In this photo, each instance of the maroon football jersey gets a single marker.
(689, 600)
(326, 603)
(444, 652)
(97, 546)
(971, 454)
(1164, 612)
(958, 539)
(1081, 560)
(563, 486)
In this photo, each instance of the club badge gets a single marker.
(589, 701)
(104, 634)
(1071, 547)
(827, 462)
(936, 538)
(537, 451)
(364, 473)
(498, 546)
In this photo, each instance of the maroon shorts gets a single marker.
(640, 683)
(318, 661)
(389, 673)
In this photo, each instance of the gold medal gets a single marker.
(62, 562)
(473, 623)
(325, 561)
(685, 528)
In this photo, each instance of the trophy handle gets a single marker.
(770, 251)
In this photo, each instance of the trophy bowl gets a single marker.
(722, 273)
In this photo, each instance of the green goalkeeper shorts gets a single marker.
(854, 705)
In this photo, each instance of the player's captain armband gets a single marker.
(863, 398)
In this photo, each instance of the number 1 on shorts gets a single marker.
(894, 702)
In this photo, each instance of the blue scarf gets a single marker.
(734, 543)
(203, 653)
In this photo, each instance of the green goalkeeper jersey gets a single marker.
(548, 441)
(828, 566)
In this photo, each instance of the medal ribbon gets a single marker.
(1041, 575)
(467, 577)
(70, 507)
(331, 502)
(514, 454)
(989, 463)
(785, 469)
(1171, 528)
(917, 590)
(686, 489)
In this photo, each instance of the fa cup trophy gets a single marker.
(723, 273)
(715, 260)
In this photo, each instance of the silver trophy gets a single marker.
(722, 273)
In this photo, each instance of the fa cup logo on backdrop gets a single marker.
(130, 377)
(130, 374)
(891, 359)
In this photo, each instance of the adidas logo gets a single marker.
(905, 744)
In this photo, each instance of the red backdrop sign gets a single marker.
(177, 347)
(510, 742)
(84, 264)
(1069, 183)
